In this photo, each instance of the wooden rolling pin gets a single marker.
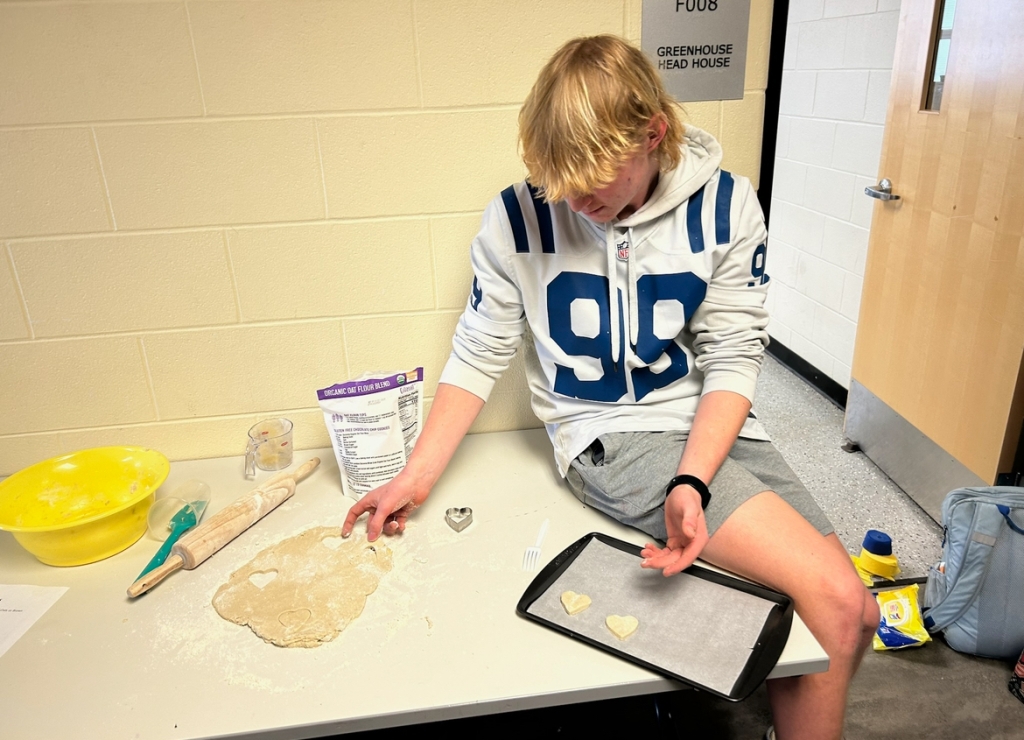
(199, 544)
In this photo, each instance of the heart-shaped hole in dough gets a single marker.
(294, 618)
(574, 603)
(332, 543)
(622, 627)
(262, 578)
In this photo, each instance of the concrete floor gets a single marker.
(857, 496)
(928, 692)
(931, 692)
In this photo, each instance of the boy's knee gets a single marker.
(849, 609)
(872, 614)
(861, 615)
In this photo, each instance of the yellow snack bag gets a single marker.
(901, 624)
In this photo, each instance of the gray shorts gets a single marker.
(624, 475)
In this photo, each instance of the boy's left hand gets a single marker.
(687, 533)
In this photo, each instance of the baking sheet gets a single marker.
(696, 629)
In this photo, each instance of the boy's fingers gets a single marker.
(649, 551)
(688, 554)
(376, 524)
(685, 559)
(661, 559)
(401, 517)
(354, 513)
(652, 552)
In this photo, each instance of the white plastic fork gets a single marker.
(532, 554)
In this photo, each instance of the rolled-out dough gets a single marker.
(622, 627)
(574, 603)
(305, 590)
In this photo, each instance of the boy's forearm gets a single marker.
(719, 419)
(451, 415)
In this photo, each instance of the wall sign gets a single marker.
(698, 46)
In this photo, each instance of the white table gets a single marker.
(438, 640)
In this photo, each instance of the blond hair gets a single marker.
(589, 111)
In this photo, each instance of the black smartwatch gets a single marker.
(696, 483)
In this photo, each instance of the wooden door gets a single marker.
(940, 339)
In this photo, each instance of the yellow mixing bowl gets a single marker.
(82, 507)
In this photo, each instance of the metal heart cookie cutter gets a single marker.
(458, 519)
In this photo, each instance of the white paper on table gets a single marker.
(20, 608)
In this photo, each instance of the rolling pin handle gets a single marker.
(141, 586)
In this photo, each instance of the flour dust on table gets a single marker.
(305, 590)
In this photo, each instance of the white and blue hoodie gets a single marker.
(630, 322)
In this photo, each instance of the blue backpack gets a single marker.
(975, 595)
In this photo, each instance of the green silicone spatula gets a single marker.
(193, 498)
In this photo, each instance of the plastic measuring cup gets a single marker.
(191, 497)
(269, 446)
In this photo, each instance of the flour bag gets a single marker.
(374, 422)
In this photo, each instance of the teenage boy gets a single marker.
(634, 267)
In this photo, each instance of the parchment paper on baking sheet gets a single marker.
(697, 629)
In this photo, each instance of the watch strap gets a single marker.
(696, 483)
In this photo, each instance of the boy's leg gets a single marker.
(767, 541)
(758, 534)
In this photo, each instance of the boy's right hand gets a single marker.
(390, 506)
(451, 414)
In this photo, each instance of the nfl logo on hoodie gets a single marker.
(622, 250)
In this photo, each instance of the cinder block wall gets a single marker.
(209, 209)
(835, 92)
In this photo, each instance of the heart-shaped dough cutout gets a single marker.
(574, 603)
(294, 618)
(332, 543)
(622, 627)
(261, 579)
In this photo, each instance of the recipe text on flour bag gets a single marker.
(374, 422)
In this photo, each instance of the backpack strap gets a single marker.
(1005, 511)
(961, 594)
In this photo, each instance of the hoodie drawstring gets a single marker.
(613, 294)
(634, 313)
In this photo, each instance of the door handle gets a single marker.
(882, 191)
